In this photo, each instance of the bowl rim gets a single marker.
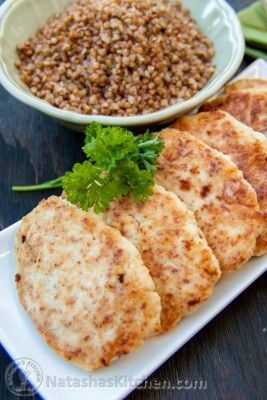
(135, 120)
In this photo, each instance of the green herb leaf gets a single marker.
(118, 164)
(87, 186)
(150, 147)
(139, 182)
(106, 145)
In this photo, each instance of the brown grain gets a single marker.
(116, 57)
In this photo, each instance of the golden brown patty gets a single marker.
(181, 263)
(243, 84)
(84, 285)
(223, 202)
(248, 106)
(247, 148)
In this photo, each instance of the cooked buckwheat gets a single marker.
(117, 57)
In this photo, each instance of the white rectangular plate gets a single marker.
(20, 338)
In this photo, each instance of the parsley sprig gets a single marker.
(118, 164)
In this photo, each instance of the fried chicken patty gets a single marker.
(247, 105)
(212, 186)
(178, 257)
(247, 148)
(84, 285)
(243, 84)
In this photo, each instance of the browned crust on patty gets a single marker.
(180, 262)
(246, 147)
(243, 84)
(84, 285)
(248, 106)
(224, 203)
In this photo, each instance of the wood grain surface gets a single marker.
(229, 354)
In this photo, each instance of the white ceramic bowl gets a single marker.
(20, 18)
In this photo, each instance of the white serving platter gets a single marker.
(62, 379)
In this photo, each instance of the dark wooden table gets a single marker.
(229, 353)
